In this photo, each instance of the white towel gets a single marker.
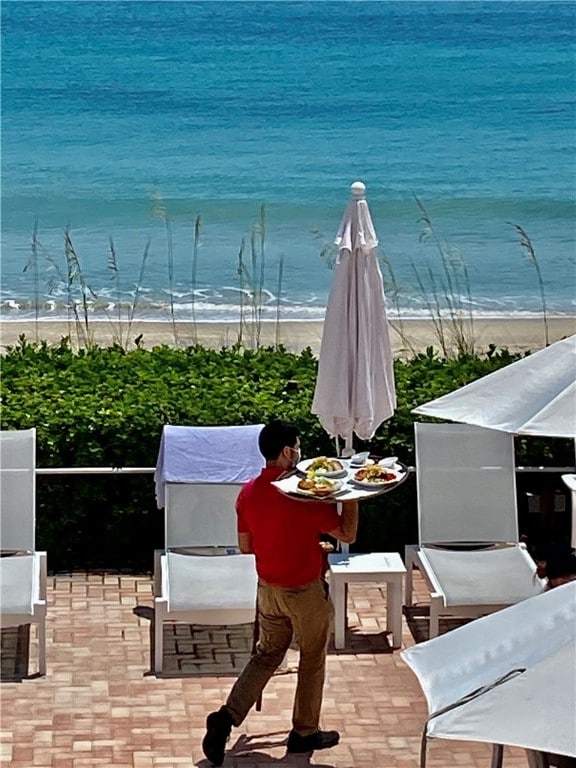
(207, 455)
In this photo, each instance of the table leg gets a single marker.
(338, 589)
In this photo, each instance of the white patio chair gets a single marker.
(469, 552)
(22, 568)
(191, 585)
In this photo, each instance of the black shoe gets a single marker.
(218, 727)
(318, 740)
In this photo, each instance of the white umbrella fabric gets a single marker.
(355, 389)
(507, 678)
(533, 396)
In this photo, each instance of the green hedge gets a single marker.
(107, 407)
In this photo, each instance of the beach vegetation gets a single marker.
(137, 290)
(251, 283)
(194, 275)
(117, 335)
(394, 291)
(32, 267)
(446, 292)
(75, 276)
(529, 254)
(106, 407)
(443, 284)
(160, 211)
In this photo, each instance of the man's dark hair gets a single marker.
(274, 437)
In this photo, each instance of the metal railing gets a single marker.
(95, 470)
(151, 470)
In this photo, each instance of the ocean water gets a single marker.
(127, 120)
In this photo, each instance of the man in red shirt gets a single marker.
(283, 534)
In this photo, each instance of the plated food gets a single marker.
(355, 484)
(375, 476)
(323, 465)
(315, 485)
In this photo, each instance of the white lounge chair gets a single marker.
(469, 552)
(190, 585)
(570, 483)
(22, 568)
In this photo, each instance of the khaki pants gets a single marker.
(306, 612)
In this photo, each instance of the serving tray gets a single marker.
(348, 490)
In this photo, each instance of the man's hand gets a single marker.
(245, 543)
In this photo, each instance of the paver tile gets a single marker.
(100, 705)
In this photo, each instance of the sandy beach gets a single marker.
(516, 335)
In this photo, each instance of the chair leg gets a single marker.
(497, 756)
(158, 642)
(42, 646)
(42, 623)
(435, 604)
(409, 562)
(157, 582)
(394, 612)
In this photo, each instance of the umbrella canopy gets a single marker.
(533, 396)
(520, 662)
(355, 386)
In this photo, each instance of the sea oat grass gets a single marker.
(32, 266)
(75, 274)
(444, 286)
(452, 282)
(194, 276)
(530, 255)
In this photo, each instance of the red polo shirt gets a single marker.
(284, 531)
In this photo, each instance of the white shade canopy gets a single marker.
(355, 386)
(525, 657)
(533, 396)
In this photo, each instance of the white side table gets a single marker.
(373, 567)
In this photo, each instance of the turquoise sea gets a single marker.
(126, 120)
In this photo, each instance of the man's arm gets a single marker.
(245, 543)
(348, 528)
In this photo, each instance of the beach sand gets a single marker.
(516, 335)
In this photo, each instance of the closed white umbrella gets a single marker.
(355, 389)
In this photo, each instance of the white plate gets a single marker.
(336, 487)
(372, 485)
(303, 466)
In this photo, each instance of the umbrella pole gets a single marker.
(348, 447)
(346, 453)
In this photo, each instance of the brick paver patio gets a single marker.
(99, 704)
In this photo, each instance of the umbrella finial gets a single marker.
(358, 189)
